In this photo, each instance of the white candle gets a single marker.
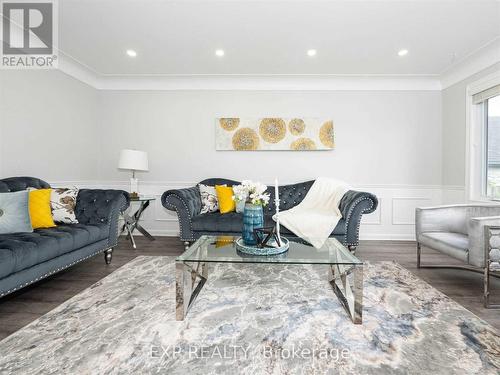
(276, 195)
(277, 204)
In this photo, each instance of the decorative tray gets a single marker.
(271, 250)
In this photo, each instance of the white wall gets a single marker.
(387, 142)
(381, 137)
(48, 126)
(454, 136)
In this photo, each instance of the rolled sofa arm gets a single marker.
(353, 205)
(96, 206)
(187, 204)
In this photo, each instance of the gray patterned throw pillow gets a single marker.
(209, 201)
(63, 203)
(14, 212)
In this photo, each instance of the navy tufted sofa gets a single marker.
(187, 204)
(28, 257)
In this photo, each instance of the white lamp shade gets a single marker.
(133, 160)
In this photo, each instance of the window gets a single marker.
(482, 169)
(491, 111)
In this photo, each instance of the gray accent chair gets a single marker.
(187, 204)
(467, 232)
(26, 258)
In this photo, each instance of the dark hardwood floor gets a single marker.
(24, 306)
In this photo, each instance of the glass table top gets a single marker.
(223, 249)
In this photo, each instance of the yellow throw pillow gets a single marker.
(40, 212)
(225, 198)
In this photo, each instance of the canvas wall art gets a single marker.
(296, 134)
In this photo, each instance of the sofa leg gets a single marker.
(186, 245)
(352, 248)
(419, 252)
(108, 255)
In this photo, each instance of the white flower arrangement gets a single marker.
(251, 192)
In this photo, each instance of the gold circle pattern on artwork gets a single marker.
(272, 130)
(303, 144)
(326, 134)
(229, 124)
(245, 139)
(296, 126)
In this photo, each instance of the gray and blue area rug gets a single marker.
(254, 320)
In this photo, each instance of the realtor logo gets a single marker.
(29, 34)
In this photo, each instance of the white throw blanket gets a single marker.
(315, 218)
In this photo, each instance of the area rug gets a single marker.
(254, 319)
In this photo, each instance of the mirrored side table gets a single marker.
(131, 221)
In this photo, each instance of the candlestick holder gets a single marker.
(277, 227)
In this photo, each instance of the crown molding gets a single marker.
(237, 82)
(483, 58)
(77, 70)
(486, 56)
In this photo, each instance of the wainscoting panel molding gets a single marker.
(453, 194)
(403, 209)
(393, 219)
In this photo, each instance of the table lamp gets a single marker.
(133, 160)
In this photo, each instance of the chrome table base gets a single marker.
(187, 285)
(131, 223)
(346, 280)
(347, 284)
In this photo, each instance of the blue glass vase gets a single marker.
(253, 218)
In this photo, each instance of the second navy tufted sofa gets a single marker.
(187, 204)
(28, 257)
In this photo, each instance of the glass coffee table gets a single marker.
(345, 271)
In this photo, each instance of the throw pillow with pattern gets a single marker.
(63, 203)
(209, 201)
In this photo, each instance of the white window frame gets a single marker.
(475, 154)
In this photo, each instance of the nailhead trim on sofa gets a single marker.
(174, 208)
(185, 219)
(123, 208)
(53, 272)
(369, 209)
(21, 183)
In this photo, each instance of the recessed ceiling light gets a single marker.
(311, 52)
(219, 52)
(131, 53)
(403, 52)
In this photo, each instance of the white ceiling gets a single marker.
(272, 37)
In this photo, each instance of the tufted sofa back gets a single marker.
(94, 206)
(290, 195)
(21, 183)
